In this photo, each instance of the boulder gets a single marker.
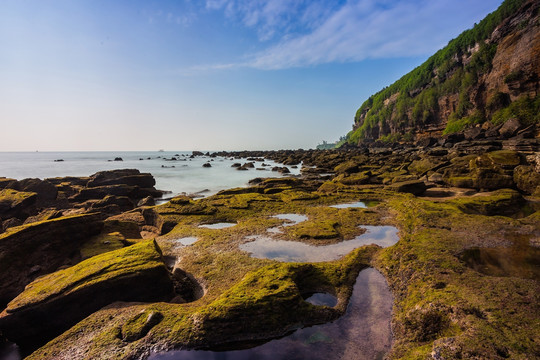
(49, 244)
(207, 165)
(6, 183)
(45, 190)
(17, 204)
(415, 187)
(11, 222)
(101, 192)
(147, 201)
(527, 179)
(501, 202)
(510, 128)
(131, 177)
(53, 303)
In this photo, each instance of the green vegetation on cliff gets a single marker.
(413, 102)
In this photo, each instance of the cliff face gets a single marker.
(488, 75)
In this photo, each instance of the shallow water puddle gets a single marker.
(263, 247)
(362, 333)
(358, 204)
(221, 225)
(188, 240)
(519, 260)
(292, 218)
(322, 299)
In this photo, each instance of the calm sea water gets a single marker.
(187, 175)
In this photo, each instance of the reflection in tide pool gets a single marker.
(222, 225)
(189, 240)
(263, 247)
(358, 204)
(292, 218)
(322, 299)
(362, 333)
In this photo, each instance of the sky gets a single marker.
(79, 75)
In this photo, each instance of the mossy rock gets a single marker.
(506, 158)
(53, 303)
(15, 203)
(138, 326)
(315, 229)
(355, 179)
(347, 167)
(415, 187)
(501, 202)
(292, 195)
(41, 247)
(103, 243)
(270, 300)
(422, 166)
(527, 179)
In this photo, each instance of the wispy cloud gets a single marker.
(307, 33)
(274, 17)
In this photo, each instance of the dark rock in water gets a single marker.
(197, 153)
(118, 159)
(53, 303)
(58, 160)
(281, 169)
(250, 165)
(48, 244)
(207, 165)
(236, 165)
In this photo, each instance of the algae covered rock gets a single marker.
(415, 187)
(47, 244)
(15, 203)
(53, 303)
(501, 202)
(527, 179)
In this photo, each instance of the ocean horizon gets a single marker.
(185, 175)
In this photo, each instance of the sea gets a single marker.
(185, 175)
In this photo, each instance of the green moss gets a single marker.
(135, 258)
(439, 298)
(14, 196)
(500, 202)
(103, 243)
(322, 229)
(139, 325)
(505, 157)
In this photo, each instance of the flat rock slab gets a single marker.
(39, 248)
(55, 302)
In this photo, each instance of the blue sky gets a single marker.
(206, 75)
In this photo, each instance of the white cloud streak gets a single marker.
(311, 32)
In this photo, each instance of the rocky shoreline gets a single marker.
(78, 263)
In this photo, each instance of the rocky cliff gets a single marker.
(483, 78)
